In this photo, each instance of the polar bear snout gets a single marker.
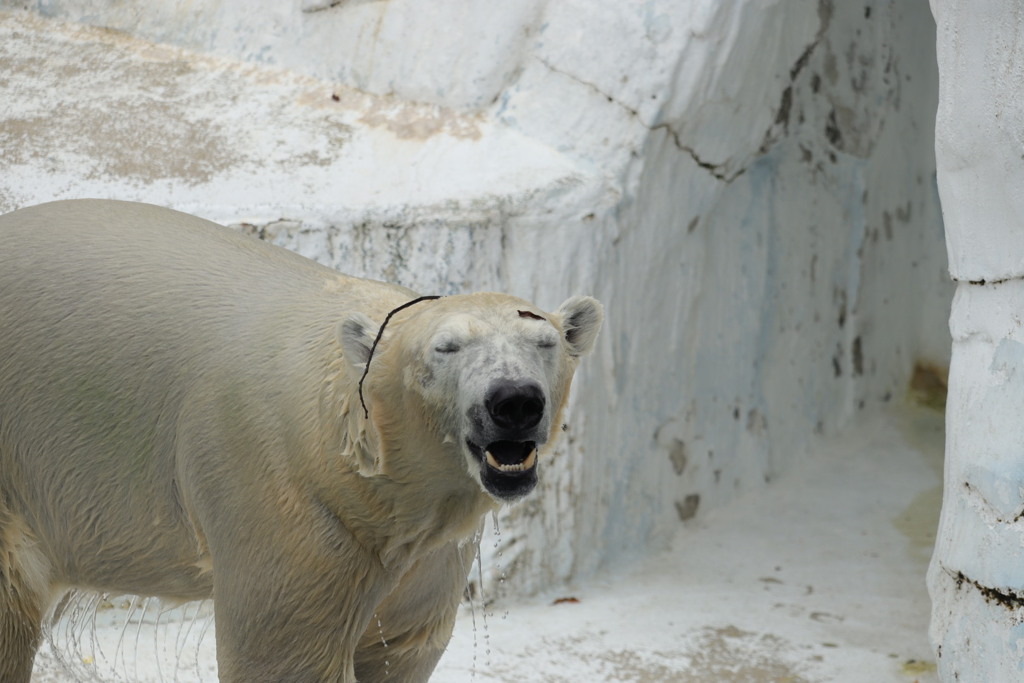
(515, 406)
(508, 429)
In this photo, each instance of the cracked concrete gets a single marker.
(975, 580)
(994, 281)
(551, 67)
(978, 503)
(713, 168)
(1005, 597)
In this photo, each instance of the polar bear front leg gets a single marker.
(291, 608)
(412, 626)
(20, 633)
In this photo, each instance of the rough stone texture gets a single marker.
(976, 577)
(748, 186)
(979, 135)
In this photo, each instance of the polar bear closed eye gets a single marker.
(180, 416)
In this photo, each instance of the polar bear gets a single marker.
(182, 415)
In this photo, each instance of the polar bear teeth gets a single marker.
(530, 461)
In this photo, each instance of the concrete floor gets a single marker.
(818, 577)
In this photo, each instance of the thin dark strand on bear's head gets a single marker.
(380, 333)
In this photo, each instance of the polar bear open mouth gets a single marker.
(508, 469)
(511, 456)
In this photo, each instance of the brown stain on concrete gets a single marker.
(159, 113)
(404, 120)
(923, 428)
(725, 655)
(144, 126)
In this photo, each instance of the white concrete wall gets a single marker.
(976, 577)
(747, 185)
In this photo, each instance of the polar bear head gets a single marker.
(478, 379)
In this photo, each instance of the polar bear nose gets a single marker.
(515, 405)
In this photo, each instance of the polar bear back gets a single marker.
(113, 316)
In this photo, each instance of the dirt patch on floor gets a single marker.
(724, 655)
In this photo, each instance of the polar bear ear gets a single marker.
(581, 321)
(356, 334)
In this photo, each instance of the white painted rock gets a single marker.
(976, 578)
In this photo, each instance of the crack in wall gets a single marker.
(982, 282)
(633, 112)
(313, 7)
(780, 120)
(1010, 599)
(785, 106)
(712, 168)
(805, 56)
(984, 508)
(782, 111)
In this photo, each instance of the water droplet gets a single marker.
(384, 642)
